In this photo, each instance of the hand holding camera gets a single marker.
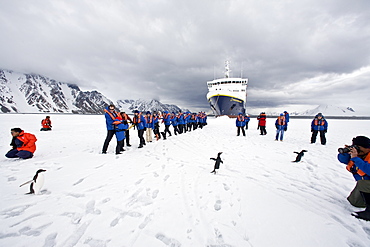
(347, 149)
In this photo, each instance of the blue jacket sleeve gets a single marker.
(344, 158)
(109, 122)
(361, 164)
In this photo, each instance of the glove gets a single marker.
(285, 129)
(353, 170)
(325, 131)
(311, 130)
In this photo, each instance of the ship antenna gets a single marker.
(241, 71)
(227, 69)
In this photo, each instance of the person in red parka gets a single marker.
(262, 123)
(23, 144)
(46, 124)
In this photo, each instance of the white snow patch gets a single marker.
(165, 195)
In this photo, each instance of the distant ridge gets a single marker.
(330, 110)
(31, 93)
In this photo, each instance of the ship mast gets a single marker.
(227, 69)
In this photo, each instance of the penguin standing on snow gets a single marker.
(217, 163)
(36, 183)
(299, 155)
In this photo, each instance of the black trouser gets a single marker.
(140, 134)
(180, 128)
(166, 129)
(263, 130)
(322, 136)
(195, 126)
(119, 146)
(176, 130)
(366, 197)
(109, 137)
(189, 125)
(127, 134)
(156, 132)
(241, 128)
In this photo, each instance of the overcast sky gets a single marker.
(294, 52)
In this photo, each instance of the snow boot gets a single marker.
(364, 215)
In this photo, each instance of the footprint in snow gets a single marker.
(79, 181)
(218, 205)
(139, 181)
(155, 194)
(50, 240)
(90, 208)
(166, 177)
(168, 241)
(145, 222)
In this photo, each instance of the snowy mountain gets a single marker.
(146, 105)
(30, 93)
(329, 110)
(311, 110)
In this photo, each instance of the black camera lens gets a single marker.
(343, 150)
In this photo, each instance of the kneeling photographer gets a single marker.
(357, 158)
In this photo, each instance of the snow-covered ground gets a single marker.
(165, 195)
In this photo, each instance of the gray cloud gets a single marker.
(293, 52)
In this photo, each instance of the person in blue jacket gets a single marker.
(174, 123)
(188, 123)
(286, 115)
(280, 125)
(240, 123)
(181, 122)
(193, 121)
(120, 126)
(167, 122)
(149, 126)
(139, 122)
(110, 117)
(246, 120)
(319, 124)
(357, 158)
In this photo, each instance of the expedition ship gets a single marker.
(227, 96)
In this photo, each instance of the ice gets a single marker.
(165, 195)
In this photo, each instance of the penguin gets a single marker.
(299, 155)
(217, 163)
(36, 183)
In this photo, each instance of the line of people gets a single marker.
(117, 123)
